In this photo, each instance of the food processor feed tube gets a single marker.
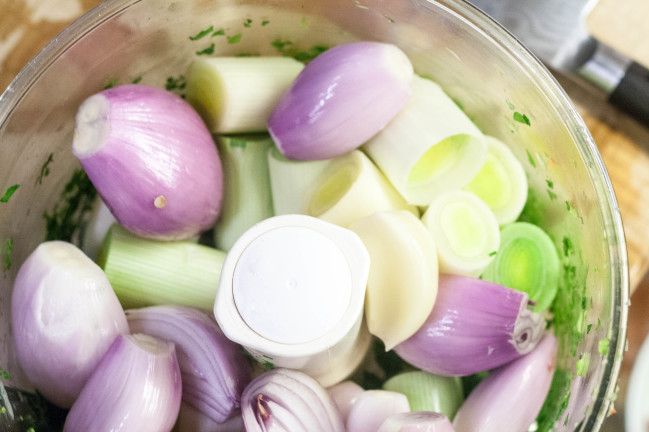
(291, 293)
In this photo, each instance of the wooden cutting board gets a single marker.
(622, 24)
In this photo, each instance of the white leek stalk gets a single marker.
(135, 388)
(430, 147)
(402, 284)
(465, 230)
(246, 198)
(291, 181)
(501, 183)
(352, 188)
(428, 392)
(373, 407)
(147, 272)
(237, 94)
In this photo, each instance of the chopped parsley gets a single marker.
(234, 39)
(550, 183)
(207, 51)
(552, 195)
(304, 22)
(67, 220)
(388, 18)
(603, 346)
(201, 34)
(176, 83)
(530, 158)
(264, 23)
(521, 118)
(9, 192)
(219, 32)
(112, 83)
(45, 169)
(280, 45)
(268, 366)
(8, 249)
(137, 80)
(588, 328)
(582, 365)
(247, 22)
(567, 246)
(493, 253)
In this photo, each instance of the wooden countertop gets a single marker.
(25, 27)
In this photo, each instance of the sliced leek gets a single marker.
(465, 230)
(147, 272)
(501, 183)
(402, 284)
(526, 261)
(246, 198)
(352, 188)
(430, 147)
(428, 392)
(291, 182)
(237, 94)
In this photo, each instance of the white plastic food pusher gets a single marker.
(291, 293)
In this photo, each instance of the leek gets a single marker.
(430, 147)
(501, 183)
(291, 182)
(526, 261)
(428, 392)
(352, 188)
(237, 94)
(465, 230)
(246, 198)
(146, 272)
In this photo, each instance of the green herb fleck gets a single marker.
(6, 375)
(201, 34)
(582, 365)
(556, 402)
(234, 39)
(219, 32)
(280, 45)
(603, 346)
(9, 193)
(567, 246)
(304, 22)
(588, 328)
(8, 249)
(521, 118)
(310, 54)
(493, 253)
(268, 366)
(510, 105)
(552, 195)
(137, 80)
(3, 410)
(69, 217)
(176, 83)
(550, 183)
(45, 169)
(247, 22)
(530, 158)
(207, 51)
(388, 18)
(112, 83)
(264, 23)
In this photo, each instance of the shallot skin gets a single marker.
(152, 160)
(340, 100)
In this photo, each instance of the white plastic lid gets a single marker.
(292, 285)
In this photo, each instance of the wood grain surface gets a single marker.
(622, 24)
(27, 25)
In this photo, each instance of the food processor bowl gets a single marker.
(500, 85)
